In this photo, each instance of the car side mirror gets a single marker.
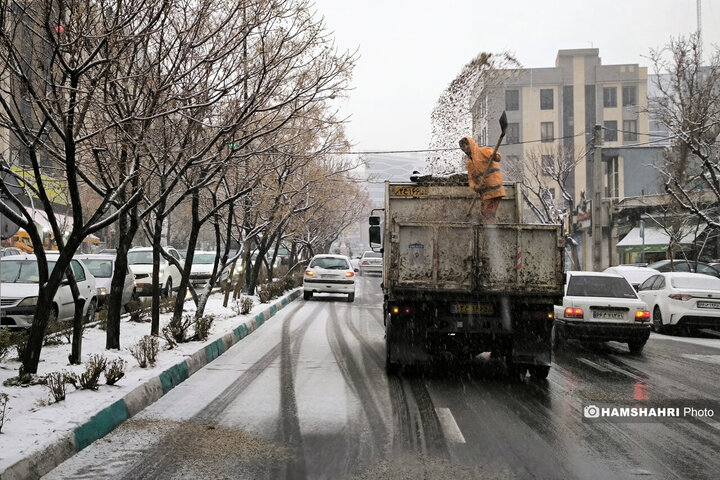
(357, 270)
(375, 237)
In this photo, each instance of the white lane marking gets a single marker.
(705, 342)
(703, 358)
(594, 365)
(450, 427)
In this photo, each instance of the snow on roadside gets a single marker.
(32, 419)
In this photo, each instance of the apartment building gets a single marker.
(556, 109)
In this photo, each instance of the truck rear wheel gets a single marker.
(539, 372)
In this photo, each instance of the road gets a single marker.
(306, 397)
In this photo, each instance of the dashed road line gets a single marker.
(449, 425)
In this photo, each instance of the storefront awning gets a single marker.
(656, 239)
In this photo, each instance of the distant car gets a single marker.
(202, 267)
(140, 260)
(329, 274)
(601, 307)
(108, 251)
(685, 266)
(371, 262)
(355, 262)
(20, 284)
(6, 251)
(103, 267)
(682, 300)
(634, 275)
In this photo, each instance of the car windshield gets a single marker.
(204, 258)
(597, 286)
(696, 283)
(21, 271)
(372, 255)
(99, 268)
(330, 263)
(144, 257)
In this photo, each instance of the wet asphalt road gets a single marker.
(306, 397)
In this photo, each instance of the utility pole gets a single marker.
(597, 199)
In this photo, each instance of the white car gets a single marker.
(20, 284)
(682, 300)
(329, 274)
(103, 267)
(371, 262)
(140, 260)
(202, 267)
(601, 307)
(634, 275)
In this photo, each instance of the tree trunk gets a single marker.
(157, 245)
(192, 242)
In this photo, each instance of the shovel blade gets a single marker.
(503, 123)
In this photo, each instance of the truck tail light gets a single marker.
(573, 312)
(677, 296)
(642, 316)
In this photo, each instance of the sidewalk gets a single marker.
(39, 435)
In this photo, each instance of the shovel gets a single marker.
(503, 128)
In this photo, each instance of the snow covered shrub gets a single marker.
(115, 371)
(146, 350)
(3, 404)
(135, 308)
(203, 326)
(20, 339)
(265, 295)
(176, 331)
(56, 382)
(90, 378)
(246, 304)
(6, 342)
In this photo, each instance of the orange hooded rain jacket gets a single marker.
(492, 187)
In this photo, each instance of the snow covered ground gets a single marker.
(33, 420)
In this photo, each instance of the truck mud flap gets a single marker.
(406, 344)
(531, 342)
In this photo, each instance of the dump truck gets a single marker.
(454, 286)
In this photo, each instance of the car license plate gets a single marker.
(471, 308)
(702, 304)
(608, 315)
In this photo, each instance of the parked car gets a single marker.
(202, 267)
(601, 307)
(682, 300)
(329, 274)
(685, 266)
(20, 284)
(103, 267)
(140, 260)
(633, 274)
(6, 251)
(371, 262)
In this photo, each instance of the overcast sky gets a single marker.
(410, 50)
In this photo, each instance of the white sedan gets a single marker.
(601, 307)
(20, 285)
(329, 274)
(682, 300)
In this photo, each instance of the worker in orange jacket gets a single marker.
(486, 182)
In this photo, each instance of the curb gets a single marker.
(109, 418)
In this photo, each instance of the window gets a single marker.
(548, 165)
(512, 135)
(512, 100)
(647, 284)
(547, 132)
(546, 99)
(610, 131)
(630, 130)
(610, 97)
(629, 96)
(78, 271)
(597, 286)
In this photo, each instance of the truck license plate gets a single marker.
(702, 304)
(471, 308)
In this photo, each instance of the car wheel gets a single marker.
(658, 321)
(539, 372)
(637, 346)
(307, 295)
(168, 288)
(351, 297)
(92, 308)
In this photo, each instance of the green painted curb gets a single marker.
(101, 424)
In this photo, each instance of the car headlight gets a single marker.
(28, 302)
(102, 291)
